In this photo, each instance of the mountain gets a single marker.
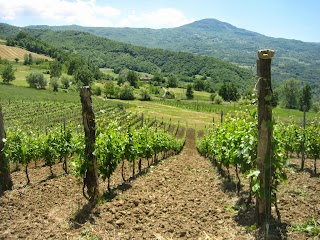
(104, 52)
(221, 40)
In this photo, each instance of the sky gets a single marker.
(291, 19)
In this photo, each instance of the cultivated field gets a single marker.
(10, 53)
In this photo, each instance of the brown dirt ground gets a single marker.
(183, 197)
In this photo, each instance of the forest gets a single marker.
(111, 54)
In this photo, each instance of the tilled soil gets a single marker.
(183, 197)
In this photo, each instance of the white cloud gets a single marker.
(161, 18)
(86, 13)
(81, 12)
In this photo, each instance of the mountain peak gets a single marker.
(210, 24)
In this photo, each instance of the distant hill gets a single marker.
(222, 40)
(116, 55)
(10, 53)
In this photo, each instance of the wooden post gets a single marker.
(91, 178)
(5, 176)
(142, 119)
(263, 201)
(304, 132)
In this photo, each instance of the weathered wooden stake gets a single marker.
(91, 178)
(263, 201)
(304, 130)
(5, 176)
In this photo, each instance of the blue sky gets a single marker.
(293, 19)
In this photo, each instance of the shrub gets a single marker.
(218, 99)
(36, 80)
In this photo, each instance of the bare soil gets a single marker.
(182, 197)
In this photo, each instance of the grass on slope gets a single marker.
(10, 53)
(12, 92)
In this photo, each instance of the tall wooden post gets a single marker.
(5, 176)
(304, 137)
(91, 178)
(263, 201)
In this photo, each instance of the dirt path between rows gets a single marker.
(180, 198)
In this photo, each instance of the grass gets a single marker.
(22, 71)
(311, 227)
(13, 92)
(109, 71)
(183, 116)
(180, 93)
(293, 115)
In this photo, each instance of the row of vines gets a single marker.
(233, 145)
(121, 138)
(201, 106)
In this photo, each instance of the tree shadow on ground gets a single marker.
(228, 186)
(297, 168)
(83, 215)
(246, 217)
(86, 213)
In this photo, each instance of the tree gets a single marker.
(305, 98)
(30, 59)
(144, 93)
(54, 82)
(218, 99)
(223, 92)
(229, 92)
(172, 81)
(65, 82)
(158, 79)
(83, 77)
(132, 78)
(97, 91)
(233, 92)
(55, 69)
(74, 64)
(26, 59)
(212, 96)
(126, 92)
(16, 60)
(189, 92)
(199, 84)
(289, 93)
(36, 80)
(109, 89)
(122, 76)
(8, 74)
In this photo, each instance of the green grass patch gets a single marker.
(109, 71)
(311, 227)
(13, 92)
(180, 93)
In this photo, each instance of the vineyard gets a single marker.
(145, 196)
(201, 106)
(121, 137)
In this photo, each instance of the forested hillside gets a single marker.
(108, 53)
(211, 37)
